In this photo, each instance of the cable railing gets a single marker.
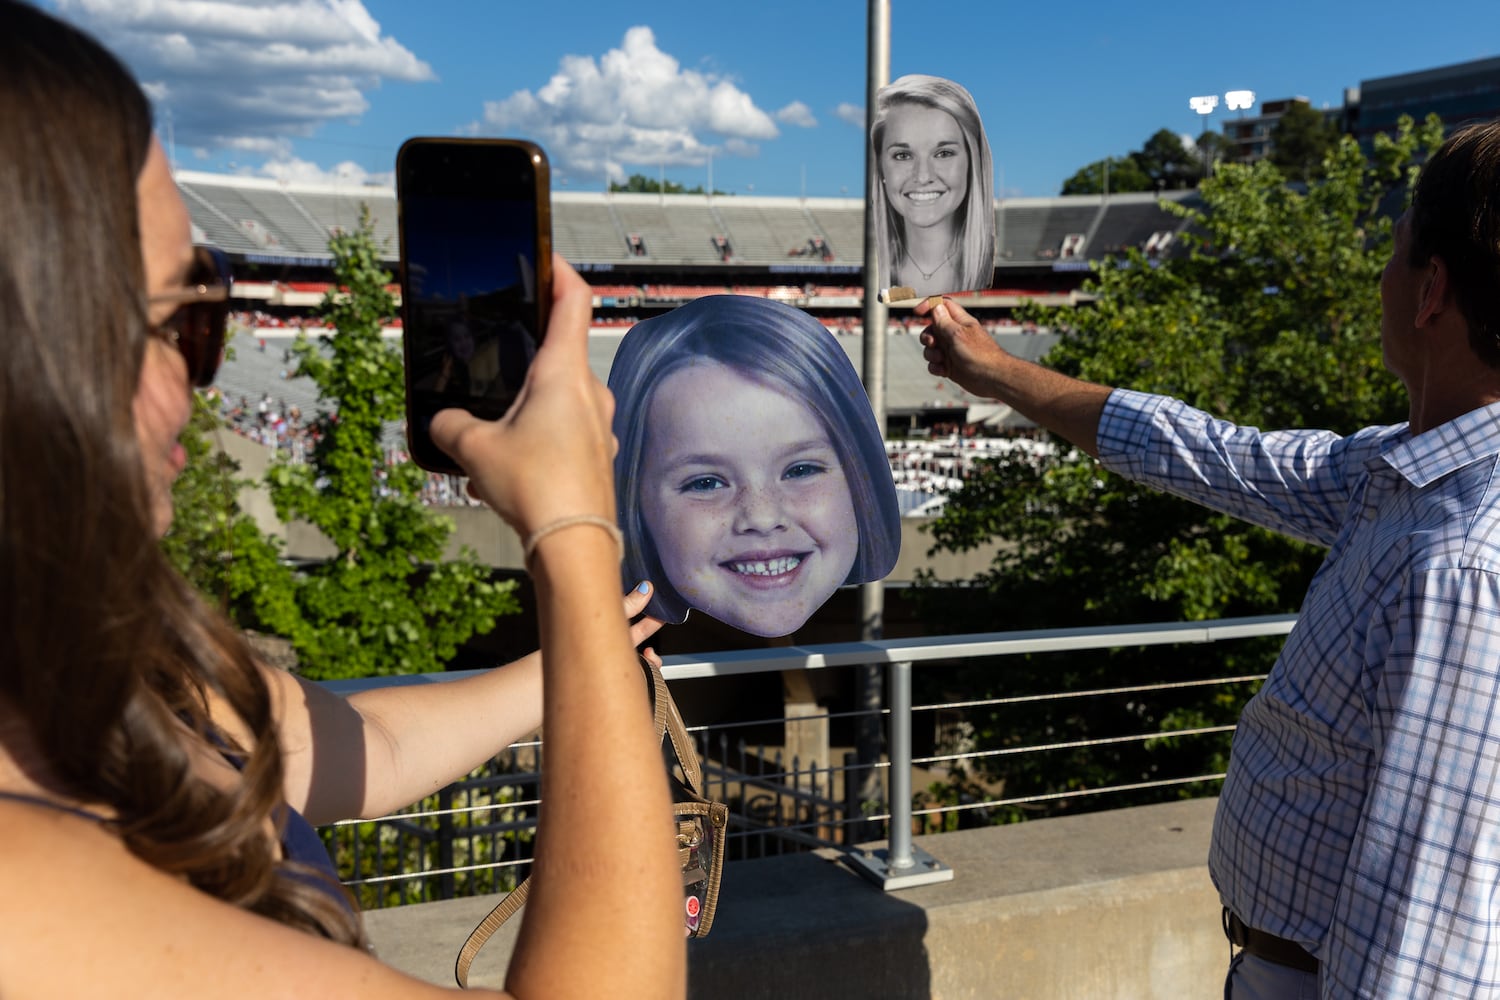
(794, 782)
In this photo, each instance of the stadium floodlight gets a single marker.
(1239, 100)
(1204, 105)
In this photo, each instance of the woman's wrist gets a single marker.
(570, 543)
(570, 523)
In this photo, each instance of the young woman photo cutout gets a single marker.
(935, 200)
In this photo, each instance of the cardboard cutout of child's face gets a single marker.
(740, 498)
(935, 193)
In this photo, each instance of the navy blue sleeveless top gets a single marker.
(299, 841)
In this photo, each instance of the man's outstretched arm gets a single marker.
(957, 347)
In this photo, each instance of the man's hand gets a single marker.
(957, 347)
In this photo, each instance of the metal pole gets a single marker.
(900, 865)
(878, 57)
(872, 595)
(900, 780)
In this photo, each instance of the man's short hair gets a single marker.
(1455, 215)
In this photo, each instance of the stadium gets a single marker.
(645, 254)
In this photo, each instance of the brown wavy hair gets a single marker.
(106, 653)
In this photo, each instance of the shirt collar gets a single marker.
(1424, 458)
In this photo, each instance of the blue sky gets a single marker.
(763, 95)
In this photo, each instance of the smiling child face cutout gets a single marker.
(745, 499)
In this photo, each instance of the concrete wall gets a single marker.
(1107, 905)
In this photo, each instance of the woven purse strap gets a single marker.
(668, 723)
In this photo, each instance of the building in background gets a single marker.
(1249, 138)
(1462, 92)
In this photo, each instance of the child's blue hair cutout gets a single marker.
(783, 348)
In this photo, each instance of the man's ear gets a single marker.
(1434, 296)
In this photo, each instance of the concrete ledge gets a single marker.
(1113, 905)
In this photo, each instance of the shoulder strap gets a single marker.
(668, 722)
(488, 926)
(37, 800)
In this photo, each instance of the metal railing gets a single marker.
(474, 837)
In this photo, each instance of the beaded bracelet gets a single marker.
(596, 520)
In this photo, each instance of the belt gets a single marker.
(1267, 946)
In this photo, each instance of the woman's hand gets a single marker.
(551, 456)
(645, 627)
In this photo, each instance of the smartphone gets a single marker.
(475, 225)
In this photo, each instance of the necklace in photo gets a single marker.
(927, 275)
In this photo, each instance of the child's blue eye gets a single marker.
(702, 484)
(802, 470)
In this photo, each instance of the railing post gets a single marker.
(899, 865)
(900, 779)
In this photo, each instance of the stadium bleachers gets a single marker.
(260, 218)
(1060, 222)
(681, 235)
(585, 228)
(1131, 221)
(257, 217)
(768, 231)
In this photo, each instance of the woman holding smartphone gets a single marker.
(160, 776)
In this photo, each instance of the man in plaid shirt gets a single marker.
(1356, 846)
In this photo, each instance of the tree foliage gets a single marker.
(1300, 141)
(387, 602)
(1163, 163)
(218, 547)
(1272, 320)
(641, 184)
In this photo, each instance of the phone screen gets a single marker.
(475, 235)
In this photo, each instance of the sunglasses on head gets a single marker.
(197, 326)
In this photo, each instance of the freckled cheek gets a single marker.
(685, 531)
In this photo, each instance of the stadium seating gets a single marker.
(263, 219)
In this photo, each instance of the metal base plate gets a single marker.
(874, 864)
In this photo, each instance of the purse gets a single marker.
(701, 824)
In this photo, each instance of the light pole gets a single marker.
(1241, 101)
(1234, 100)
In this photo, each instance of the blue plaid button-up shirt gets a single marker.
(1361, 813)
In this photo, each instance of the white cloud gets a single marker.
(298, 171)
(237, 73)
(633, 106)
(851, 113)
(797, 114)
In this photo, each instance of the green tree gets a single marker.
(1115, 175)
(641, 184)
(387, 602)
(1272, 320)
(1164, 163)
(1209, 150)
(1301, 140)
(216, 545)
(1169, 163)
